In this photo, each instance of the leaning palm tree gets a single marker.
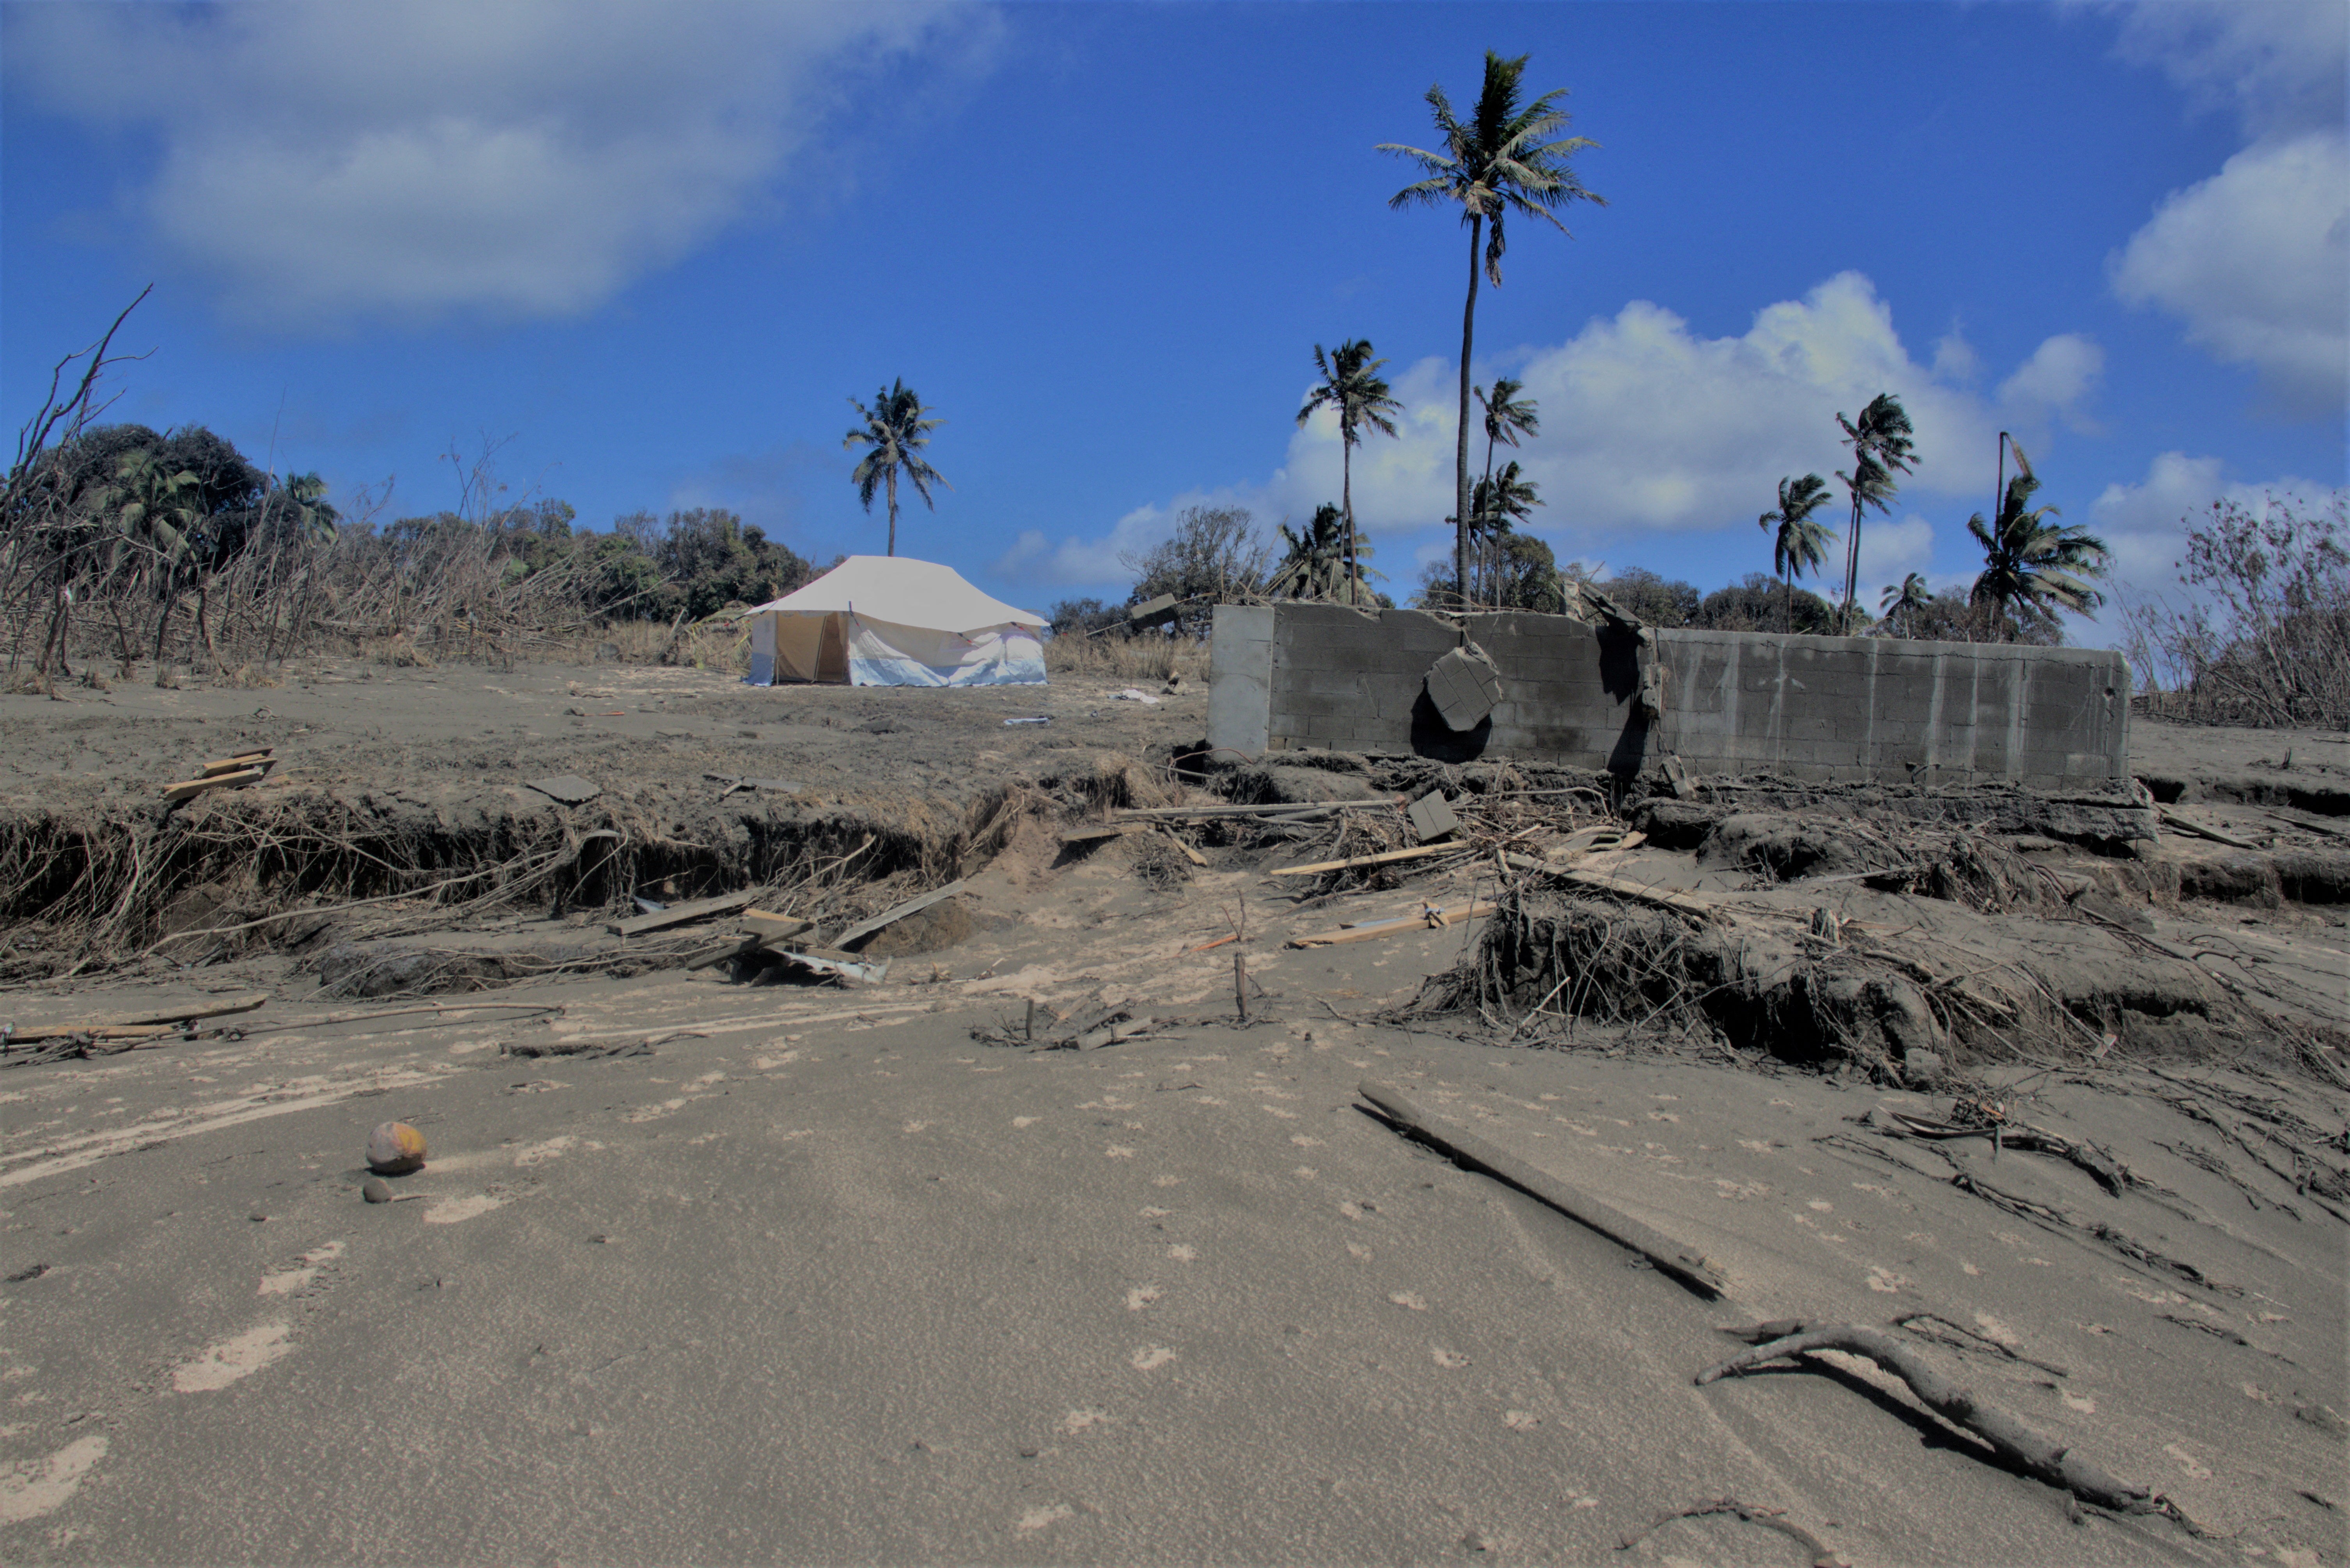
(1322, 562)
(1352, 387)
(1496, 164)
(1900, 606)
(1881, 449)
(894, 432)
(2032, 567)
(1802, 543)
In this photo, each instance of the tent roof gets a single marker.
(899, 589)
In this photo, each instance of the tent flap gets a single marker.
(886, 653)
(877, 620)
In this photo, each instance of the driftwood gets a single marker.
(235, 779)
(2026, 1450)
(1697, 904)
(1276, 808)
(1822, 1554)
(897, 912)
(1683, 1263)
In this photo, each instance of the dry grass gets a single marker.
(1146, 658)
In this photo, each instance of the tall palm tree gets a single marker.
(894, 433)
(1351, 385)
(1801, 545)
(2032, 562)
(1881, 449)
(1496, 164)
(1902, 604)
(154, 512)
(1322, 562)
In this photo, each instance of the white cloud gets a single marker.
(2278, 63)
(2256, 262)
(1888, 553)
(532, 157)
(1649, 429)
(1099, 561)
(2056, 381)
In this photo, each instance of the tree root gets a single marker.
(2014, 1442)
(1822, 1554)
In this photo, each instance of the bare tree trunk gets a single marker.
(1461, 444)
(163, 624)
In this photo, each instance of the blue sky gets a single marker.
(649, 252)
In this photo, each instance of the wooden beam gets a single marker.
(680, 914)
(1179, 813)
(1696, 904)
(189, 788)
(897, 912)
(1427, 919)
(1321, 865)
(1683, 1263)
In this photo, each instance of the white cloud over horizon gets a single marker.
(530, 159)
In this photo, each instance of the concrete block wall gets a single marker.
(1306, 675)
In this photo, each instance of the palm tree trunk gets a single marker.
(893, 511)
(1460, 445)
(1851, 569)
(1346, 504)
(1789, 623)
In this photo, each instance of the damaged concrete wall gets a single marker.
(1291, 676)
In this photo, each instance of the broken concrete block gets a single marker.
(1465, 688)
(1431, 816)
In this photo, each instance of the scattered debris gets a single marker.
(1383, 859)
(569, 790)
(395, 1148)
(2013, 1441)
(1683, 1263)
(1133, 694)
(1039, 718)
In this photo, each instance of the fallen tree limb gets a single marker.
(1276, 808)
(1822, 1554)
(1683, 1263)
(1697, 904)
(2014, 1442)
(163, 1020)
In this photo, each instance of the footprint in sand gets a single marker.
(286, 1282)
(457, 1211)
(31, 1488)
(1141, 1296)
(1451, 1360)
(1025, 1121)
(532, 1153)
(1118, 1151)
(1183, 1253)
(1362, 1253)
(1150, 1358)
(218, 1365)
(1520, 1420)
(1410, 1301)
(2195, 1469)
(1076, 1421)
(1038, 1518)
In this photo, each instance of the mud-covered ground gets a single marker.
(707, 1270)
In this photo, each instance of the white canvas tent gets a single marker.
(884, 621)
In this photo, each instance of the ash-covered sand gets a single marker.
(811, 1275)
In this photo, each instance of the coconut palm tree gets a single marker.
(1322, 562)
(1801, 545)
(1352, 387)
(1497, 504)
(1881, 449)
(1901, 604)
(1507, 417)
(1496, 164)
(2032, 567)
(896, 430)
(154, 512)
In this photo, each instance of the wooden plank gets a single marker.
(190, 788)
(897, 912)
(1193, 856)
(764, 923)
(1683, 1263)
(680, 914)
(1373, 929)
(2172, 819)
(1321, 865)
(242, 760)
(1103, 830)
